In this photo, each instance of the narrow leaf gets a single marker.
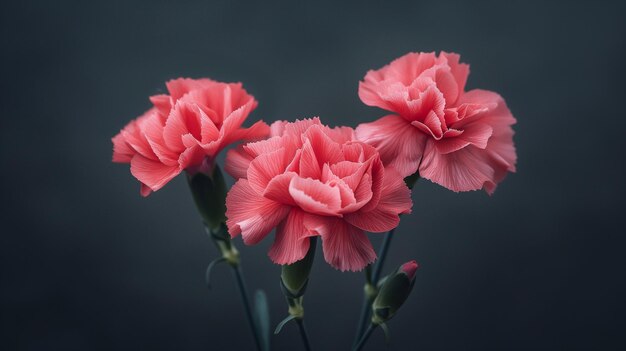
(263, 318)
(209, 269)
(280, 325)
(385, 329)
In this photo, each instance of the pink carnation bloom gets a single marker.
(460, 140)
(308, 180)
(185, 130)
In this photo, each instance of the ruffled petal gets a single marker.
(250, 214)
(181, 86)
(395, 199)
(298, 127)
(278, 189)
(257, 131)
(447, 84)
(501, 149)
(322, 145)
(464, 170)
(487, 106)
(314, 196)
(122, 152)
(345, 246)
(400, 145)
(292, 241)
(265, 167)
(237, 162)
(135, 136)
(183, 119)
(264, 146)
(460, 71)
(163, 103)
(231, 128)
(153, 132)
(309, 165)
(476, 134)
(153, 174)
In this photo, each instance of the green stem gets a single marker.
(363, 340)
(365, 309)
(246, 303)
(368, 298)
(303, 334)
(382, 254)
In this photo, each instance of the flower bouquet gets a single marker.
(304, 179)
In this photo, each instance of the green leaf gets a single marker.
(209, 269)
(262, 318)
(282, 323)
(385, 329)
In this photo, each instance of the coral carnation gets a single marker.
(185, 130)
(309, 180)
(460, 140)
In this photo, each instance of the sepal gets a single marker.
(208, 189)
(393, 292)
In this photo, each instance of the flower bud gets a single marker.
(409, 269)
(209, 193)
(295, 277)
(394, 290)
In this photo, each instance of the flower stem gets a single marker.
(367, 302)
(246, 303)
(366, 336)
(296, 312)
(208, 190)
(369, 297)
(382, 254)
(303, 334)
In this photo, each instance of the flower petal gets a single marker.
(309, 165)
(231, 130)
(400, 145)
(464, 170)
(278, 189)
(345, 246)
(395, 199)
(122, 152)
(314, 196)
(265, 167)
(183, 119)
(486, 106)
(476, 134)
(237, 162)
(135, 136)
(325, 149)
(460, 71)
(292, 242)
(250, 214)
(153, 174)
(181, 86)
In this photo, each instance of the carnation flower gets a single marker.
(185, 130)
(310, 180)
(460, 140)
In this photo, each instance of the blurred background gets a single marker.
(88, 264)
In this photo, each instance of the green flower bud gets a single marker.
(209, 193)
(295, 277)
(394, 290)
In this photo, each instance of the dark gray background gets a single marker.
(87, 264)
